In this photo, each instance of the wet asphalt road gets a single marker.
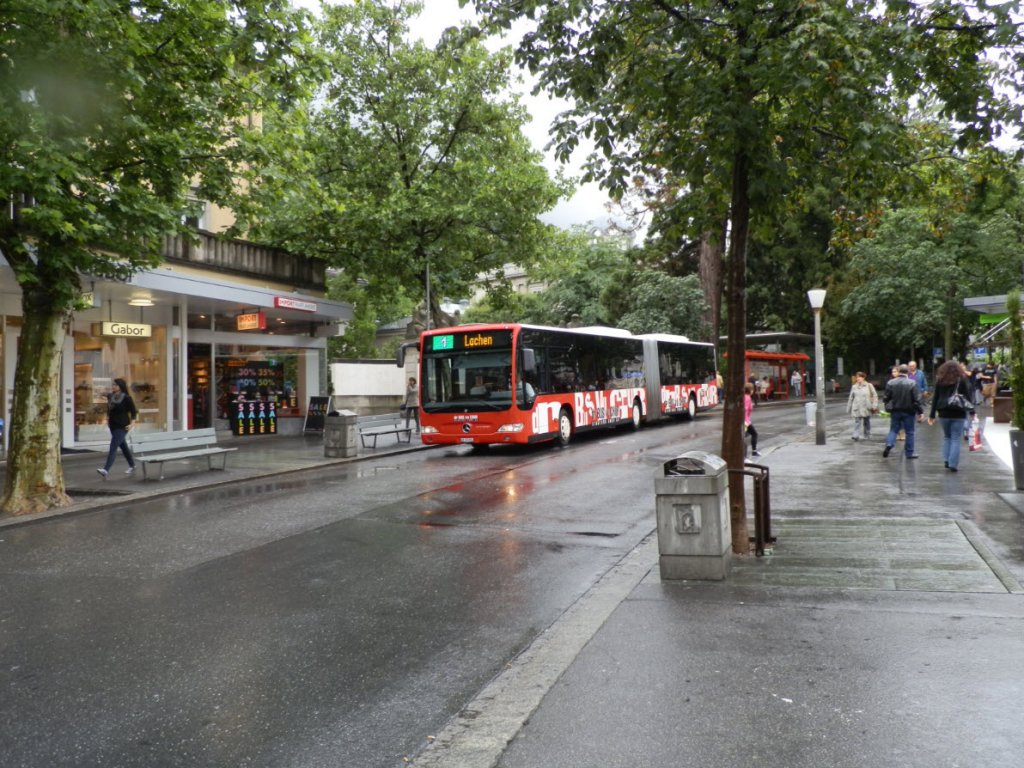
(332, 618)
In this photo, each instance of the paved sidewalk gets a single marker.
(886, 629)
(256, 457)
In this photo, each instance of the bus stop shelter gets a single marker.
(777, 366)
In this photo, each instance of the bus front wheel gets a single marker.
(564, 427)
(691, 408)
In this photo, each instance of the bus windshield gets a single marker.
(465, 379)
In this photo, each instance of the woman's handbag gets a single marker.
(958, 402)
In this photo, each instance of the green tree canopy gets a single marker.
(742, 102)
(907, 282)
(419, 158)
(660, 303)
(369, 312)
(114, 117)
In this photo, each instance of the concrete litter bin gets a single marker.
(340, 435)
(692, 506)
(810, 412)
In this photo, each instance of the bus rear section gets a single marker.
(682, 375)
(513, 383)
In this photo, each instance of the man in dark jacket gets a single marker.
(903, 401)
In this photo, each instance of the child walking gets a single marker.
(748, 412)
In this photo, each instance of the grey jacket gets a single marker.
(863, 400)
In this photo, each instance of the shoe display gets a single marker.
(102, 473)
(885, 453)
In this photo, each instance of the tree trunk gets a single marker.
(736, 303)
(35, 478)
(712, 246)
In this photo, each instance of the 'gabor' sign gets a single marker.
(131, 330)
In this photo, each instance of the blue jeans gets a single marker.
(118, 439)
(952, 433)
(905, 420)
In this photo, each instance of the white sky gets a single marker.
(589, 202)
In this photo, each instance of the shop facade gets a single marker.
(197, 346)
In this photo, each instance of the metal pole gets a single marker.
(428, 293)
(819, 381)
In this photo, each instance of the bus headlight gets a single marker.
(511, 428)
(429, 431)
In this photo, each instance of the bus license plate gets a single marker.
(465, 439)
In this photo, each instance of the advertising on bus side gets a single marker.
(591, 409)
(675, 398)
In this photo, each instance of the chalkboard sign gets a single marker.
(315, 412)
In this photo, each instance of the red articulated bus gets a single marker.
(515, 383)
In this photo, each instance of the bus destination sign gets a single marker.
(471, 340)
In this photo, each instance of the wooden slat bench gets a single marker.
(377, 426)
(159, 447)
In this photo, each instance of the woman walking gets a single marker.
(862, 403)
(952, 410)
(411, 404)
(121, 415)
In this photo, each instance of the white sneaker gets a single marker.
(130, 471)
(102, 473)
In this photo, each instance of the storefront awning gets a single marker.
(198, 286)
(986, 305)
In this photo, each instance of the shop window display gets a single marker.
(257, 377)
(101, 359)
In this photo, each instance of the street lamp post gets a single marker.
(817, 299)
(428, 293)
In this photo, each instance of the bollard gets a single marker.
(762, 506)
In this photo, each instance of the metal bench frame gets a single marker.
(374, 428)
(160, 447)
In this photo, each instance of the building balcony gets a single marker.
(239, 257)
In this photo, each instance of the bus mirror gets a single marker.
(529, 361)
(400, 354)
